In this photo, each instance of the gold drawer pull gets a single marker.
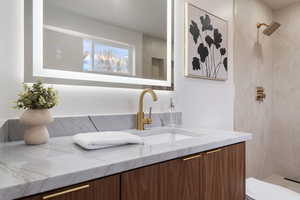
(192, 157)
(66, 192)
(215, 151)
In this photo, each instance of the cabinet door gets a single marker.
(215, 167)
(181, 179)
(236, 177)
(141, 184)
(225, 173)
(107, 188)
(78, 192)
(102, 189)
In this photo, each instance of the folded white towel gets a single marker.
(260, 190)
(98, 140)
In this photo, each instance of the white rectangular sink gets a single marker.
(164, 138)
(165, 135)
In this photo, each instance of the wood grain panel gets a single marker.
(180, 179)
(103, 189)
(236, 172)
(107, 188)
(85, 193)
(141, 184)
(215, 175)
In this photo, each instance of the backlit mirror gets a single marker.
(116, 43)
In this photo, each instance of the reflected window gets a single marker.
(110, 59)
(104, 58)
(87, 55)
(73, 51)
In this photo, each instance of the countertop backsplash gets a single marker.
(3, 131)
(13, 130)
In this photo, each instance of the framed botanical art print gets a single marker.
(206, 40)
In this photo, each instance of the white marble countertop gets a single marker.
(27, 170)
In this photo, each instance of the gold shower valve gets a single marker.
(260, 94)
(258, 25)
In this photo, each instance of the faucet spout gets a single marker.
(141, 101)
(141, 120)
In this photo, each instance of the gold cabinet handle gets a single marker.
(214, 151)
(192, 157)
(66, 192)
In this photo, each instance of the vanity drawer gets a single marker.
(103, 189)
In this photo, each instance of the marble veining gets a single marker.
(27, 170)
(13, 130)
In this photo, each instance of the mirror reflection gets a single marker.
(114, 37)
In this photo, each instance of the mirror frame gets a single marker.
(81, 78)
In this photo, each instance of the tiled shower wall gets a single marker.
(253, 61)
(274, 63)
(285, 140)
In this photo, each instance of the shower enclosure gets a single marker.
(268, 56)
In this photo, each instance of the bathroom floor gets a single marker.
(279, 180)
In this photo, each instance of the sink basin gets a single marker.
(164, 138)
(165, 135)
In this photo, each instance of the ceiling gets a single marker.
(147, 16)
(278, 4)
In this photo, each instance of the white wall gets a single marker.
(11, 58)
(204, 103)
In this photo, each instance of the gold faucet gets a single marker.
(140, 118)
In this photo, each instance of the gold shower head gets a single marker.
(270, 29)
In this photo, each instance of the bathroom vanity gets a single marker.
(172, 164)
(217, 174)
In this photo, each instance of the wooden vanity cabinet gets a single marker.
(214, 175)
(106, 189)
(173, 180)
(78, 192)
(225, 173)
(141, 184)
(103, 189)
(182, 179)
(235, 181)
